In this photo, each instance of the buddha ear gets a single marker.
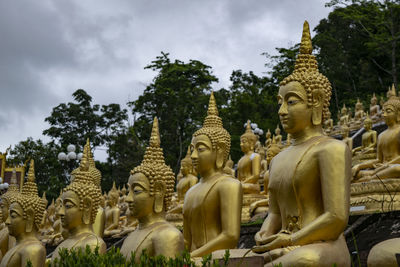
(159, 193)
(30, 220)
(317, 106)
(220, 160)
(87, 210)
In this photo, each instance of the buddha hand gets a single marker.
(280, 240)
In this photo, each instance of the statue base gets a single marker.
(247, 200)
(375, 196)
(238, 257)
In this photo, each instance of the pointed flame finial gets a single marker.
(155, 139)
(212, 106)
(306, 45)
(31, 172)
(248, 127)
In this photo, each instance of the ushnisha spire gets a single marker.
(94, 172)
(30, 188)
(305, 61)
(212, 119)
(82, 174)
(13, 187)
(154, 153)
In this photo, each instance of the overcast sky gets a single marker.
(50, 48)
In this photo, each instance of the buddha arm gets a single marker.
(35, 253)
(334, 162)
(272, 224)
(230, 206)
(168, 242)
(115, 220)
(255, 169)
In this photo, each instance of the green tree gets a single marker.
(178, 96)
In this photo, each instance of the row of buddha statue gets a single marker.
(307, 188)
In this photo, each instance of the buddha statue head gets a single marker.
(272, 151)
(26, 208)
(277, 130)
(391, 92)
(391, 110)
(113, 196)
(359, 105)
(9, 196)
(186, 164)
(81, 198)
(304, 95)
(268, 134)
(374, 100)
(248, 140)
(345, 131)
(123, 191)
(343, 111)
(151, 184)
(211, 144)
(367, 123)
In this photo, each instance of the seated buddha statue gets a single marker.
(268, 139)
(151, 185)
(78, 209)
(212, 208)
(328, 123)
(374, 109)
(185, 183)
(123, 206)
(368, 141)
(345, 136)
(309, 185)
(112, 213)
(25, 216)
(278, 136)
(386, 164)
(344, 116)
(229, 169)
(249, 165)
(359, 114)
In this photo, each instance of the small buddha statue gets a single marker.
(249, 165)
(112, 213)
(123, 206)
(368, 140)
(328, 123)
(185, 183)
(268, 139)
(345, 136)
(288, 140)
(229, 169)
(47, 227)
(344, 116)
(374, 109)
(388, 148)
(309, 185)
(25, 217)
(151, 185)
(278, 136)
(78, 210)
(359, 113)
(212, 208)
(391, 92)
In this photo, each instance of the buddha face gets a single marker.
(185, 168)
(246, 145)
(368, 125)
(294, 113)
(203, 155)
(268, 135)
(277, 131)
(15, 222)
(69, 212)
(389, 114)
(139, 200)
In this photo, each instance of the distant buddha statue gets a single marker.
(386, 165)
(309, 186)
(368, 141)
(228, 169)
(249, 165)
(212, 207)
(278, 136)
(345, 136)
(359, 113)
(25, 216)
(374, 109)
(112, 213)
(391, 92)
(328, 123)
(344, 116)
(78, 210)
(151, 185)
(268, 139)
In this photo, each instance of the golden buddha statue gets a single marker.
(344, 116)
(212, 207)
(345, 136)
(25, 216)
(309, 184)
(368, 141)
(249, 165)
(112, 213)
(391, 92)
(185, 183)
(359, 114)
(278, 136)
(57, 236)
(268, 139)
(78, 210)
(328, 123)
(374, 109)
(386, 165)
(229, 169)
(151, 185)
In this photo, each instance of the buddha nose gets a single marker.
(8, 221)
(129, 197)
(61, 211)
(282, 109)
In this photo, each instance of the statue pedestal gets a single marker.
(239, 257)
(375, 196)
(247, 200)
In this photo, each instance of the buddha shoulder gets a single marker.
(33, 249)
(168, 233)
(331, 146)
